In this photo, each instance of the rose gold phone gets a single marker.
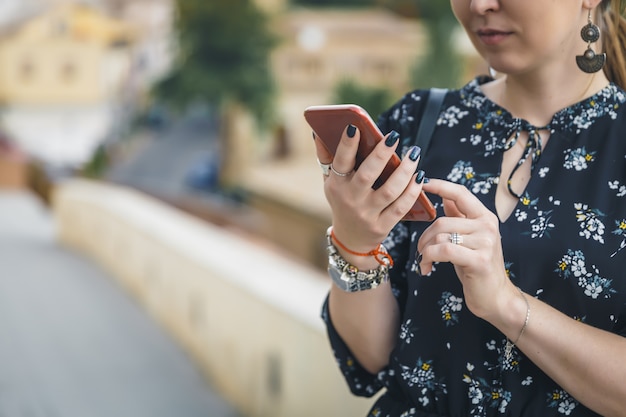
(329, 122)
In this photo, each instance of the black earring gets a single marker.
(590, 62)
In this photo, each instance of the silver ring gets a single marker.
(456, 238)
(340, 174)
(325, 168)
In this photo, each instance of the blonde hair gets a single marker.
(613, 26)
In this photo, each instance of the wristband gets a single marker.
(348, 277)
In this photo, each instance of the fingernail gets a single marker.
(351, 131)
(415, 153)
(421, 176)
(313, 135)
(426, 180)
(418, 261)
(392, 138)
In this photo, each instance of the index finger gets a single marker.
(466, 202)
(323, 154)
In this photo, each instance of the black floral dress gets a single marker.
(564, 244)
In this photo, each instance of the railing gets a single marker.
(248, 315)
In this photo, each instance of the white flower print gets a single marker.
(593, 290)
(481, 187)
(424, 400)
(621, 189)
(423, 376)
(408, 413)
(543, 172)
(521, 215)
(484, 395)
(450, 306)
(475, 394)
(590, 224)
(562, 401)
(406, 333)
(577, 266)
(620, 230)
(582, 122)
(451, 116)
(540, 225)
(566, 407)
(456, 173)
(578, 159)
(573, 265)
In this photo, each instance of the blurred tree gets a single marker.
(333, 3)
(373, 99)
(224, 49)
(441, 66)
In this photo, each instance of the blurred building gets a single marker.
(153, 48)
(61, 77)
(322, 47)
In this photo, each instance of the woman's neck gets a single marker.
(537, 99)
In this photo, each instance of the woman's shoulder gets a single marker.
(405, 114)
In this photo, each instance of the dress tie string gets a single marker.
(532, 149)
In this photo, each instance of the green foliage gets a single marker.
(224, 48)
(441, 66)
(334, 3)
(98, 164)
(374, 100)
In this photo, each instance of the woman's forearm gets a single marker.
(589, 363)
(367, 321)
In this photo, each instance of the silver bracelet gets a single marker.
(347, 276)
(508, 349)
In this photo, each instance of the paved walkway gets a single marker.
(74, 344)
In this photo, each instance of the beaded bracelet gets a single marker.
(348, 277)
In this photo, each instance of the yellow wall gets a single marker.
(51, 72)
(60, 58)
(247, 314)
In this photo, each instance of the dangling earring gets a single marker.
(590, 62)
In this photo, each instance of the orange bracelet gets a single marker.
(380, 253)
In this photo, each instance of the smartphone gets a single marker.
(329, 122)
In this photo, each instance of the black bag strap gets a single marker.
(429, 118)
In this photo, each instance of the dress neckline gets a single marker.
(505, 129)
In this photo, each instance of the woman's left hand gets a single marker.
(477, 257)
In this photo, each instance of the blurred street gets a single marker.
(165, 160)
(73, 343)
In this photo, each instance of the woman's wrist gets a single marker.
(512, 313)
(356, 253)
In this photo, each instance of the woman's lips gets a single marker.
(492, 36)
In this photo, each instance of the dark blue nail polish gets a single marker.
(313, 135)
(426, 180)
(421, 175)
(392, 138)
(351, 131)
(415, 153)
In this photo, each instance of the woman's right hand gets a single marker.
(363, 217)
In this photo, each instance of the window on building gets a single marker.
(68, 71)
(26, 70)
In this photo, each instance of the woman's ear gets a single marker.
(591, 4)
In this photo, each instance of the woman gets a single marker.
(513, 301)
